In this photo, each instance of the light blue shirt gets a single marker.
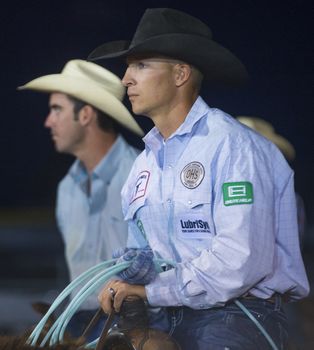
(218, 199)
(92, 224)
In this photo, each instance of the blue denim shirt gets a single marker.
(92, 224)
(218, 199)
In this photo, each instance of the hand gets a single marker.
(142, 269)
(114, 292)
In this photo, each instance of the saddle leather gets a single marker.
(132, 332)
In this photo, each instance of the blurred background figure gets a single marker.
(85, 115)
(267, 130)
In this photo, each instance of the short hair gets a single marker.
(197, 78)
(104, 121)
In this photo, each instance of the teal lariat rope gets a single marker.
(93, 284)
(33, 338)
(258, 325)
(95, 277)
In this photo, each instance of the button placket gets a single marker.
(167, 177)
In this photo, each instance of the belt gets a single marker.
(271, 299)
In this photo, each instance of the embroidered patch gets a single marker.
(140, 185)
(192, 175)
(237, 193)
(194, 226)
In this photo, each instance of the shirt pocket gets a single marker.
(193, 220)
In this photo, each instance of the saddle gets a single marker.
(131, 331)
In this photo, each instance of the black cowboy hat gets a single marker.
(175, 34)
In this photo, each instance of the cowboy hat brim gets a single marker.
(216, 63)
(88, 92)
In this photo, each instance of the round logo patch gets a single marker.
(192, 175)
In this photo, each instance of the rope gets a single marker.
(95, 277)
(33, 338)
(75, 303)
(258, 325)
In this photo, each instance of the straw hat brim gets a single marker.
(89, 92)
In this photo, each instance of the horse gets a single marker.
(19, 342)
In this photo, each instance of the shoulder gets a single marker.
(128, 158)
(132, 152)
(67, 182)
(237, 145)
(125, 164)
(126, 149)
(229, 131)
(137, 163)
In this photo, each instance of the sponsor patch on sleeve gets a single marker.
(237, 193)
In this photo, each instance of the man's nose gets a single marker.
(48, 121)
(127, 79)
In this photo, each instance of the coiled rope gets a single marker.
(93, 279)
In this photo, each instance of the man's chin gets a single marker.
(137, 110)
(59, 149)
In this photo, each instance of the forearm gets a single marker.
(218, 274)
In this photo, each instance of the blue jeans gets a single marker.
(228, 327)
(80, 321)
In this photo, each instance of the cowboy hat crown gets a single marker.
(92, 84)
(173, 33)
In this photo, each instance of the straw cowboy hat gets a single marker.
(92, 84)
(268, 131)
(178, 35)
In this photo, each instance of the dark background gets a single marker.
(37, 37)
(274, 41)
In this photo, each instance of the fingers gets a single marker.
(120, 295)
(119, 252)
(129, 255)
(147, 277)
(114, 292)
(141, 270)
(143, 275)
(126, 254)
(112, 296)
(105, 298)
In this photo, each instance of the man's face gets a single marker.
(150, 85)
(67, 133)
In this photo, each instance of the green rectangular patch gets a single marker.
(237, 193)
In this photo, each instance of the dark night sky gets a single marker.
(37, 37)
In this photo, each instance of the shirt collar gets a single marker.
(105, 169)
(198, 110)
(153, 140)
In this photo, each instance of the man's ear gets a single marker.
(182, 73)
(86, 115)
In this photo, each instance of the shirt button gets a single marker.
(169, 166)
(202, 306)
(169, 200)
(189, 202)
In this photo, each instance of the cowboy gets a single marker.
(86, 114)
(207, 194)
